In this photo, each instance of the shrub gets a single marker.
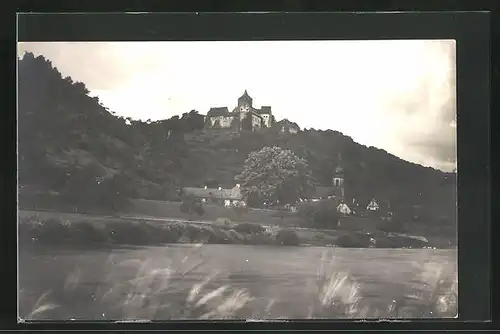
(54, 231)
(223, 221)
(320, 215)
(235, 236)
(240, 210)
(196, 234)
(199, 210)
(287, 238)
(258, 239)
(47, 231)
(130, 233)
(354, 240)
(191, 206)
(207, 234)
(87, 232)
(249, 228)
(170, 233)
(391, 226)
(219, 236)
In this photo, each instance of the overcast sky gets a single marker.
(395, 95)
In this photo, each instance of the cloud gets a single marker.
(94, 63)
(427, 113)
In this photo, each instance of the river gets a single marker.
(282, 282)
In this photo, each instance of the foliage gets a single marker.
(85, 189)
(191, 206)
(287, 238)
(354, 240)
(249, 228)
(320, 215)
(240, 209)
(62, 129)
(283, 213)
(392, 226)
(275, 175)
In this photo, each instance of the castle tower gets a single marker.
(245, 102)
(244, 108)
(338, 178)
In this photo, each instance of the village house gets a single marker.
(222, 118)
(372, 206)
(221, 196)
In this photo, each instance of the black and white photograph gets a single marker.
(215, 180)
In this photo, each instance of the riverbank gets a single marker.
(82, 230)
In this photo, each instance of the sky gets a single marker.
(397, 95)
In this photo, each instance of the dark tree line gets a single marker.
(61, 128)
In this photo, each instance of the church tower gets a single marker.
(338, 178)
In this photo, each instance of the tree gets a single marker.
(275, 175)
(320, 215)
(192, 205)
(239, 209)
(211, 183)
(192, 121)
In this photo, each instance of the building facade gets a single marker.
(286, 126)
(243, 117)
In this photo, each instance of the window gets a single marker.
(337, 182)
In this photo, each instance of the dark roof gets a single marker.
(265, 110)
(232, 194)
(256, 112)
(245, 96)
(219, 111)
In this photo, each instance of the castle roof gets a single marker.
(265, 110)
(245, 96)
(218, 111)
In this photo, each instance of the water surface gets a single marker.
(285, 275)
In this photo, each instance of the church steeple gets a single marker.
(339, 171)
(338, 177)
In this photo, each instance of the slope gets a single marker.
(71, 144)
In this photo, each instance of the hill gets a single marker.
(71, 144)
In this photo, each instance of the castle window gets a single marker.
(337, 182)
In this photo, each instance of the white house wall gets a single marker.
(266, 120)
(256, 122)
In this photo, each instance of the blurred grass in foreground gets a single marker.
(161, 294)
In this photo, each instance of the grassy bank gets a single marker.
(34, 229)
(86, 230)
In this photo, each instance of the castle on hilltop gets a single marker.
(243, 117)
